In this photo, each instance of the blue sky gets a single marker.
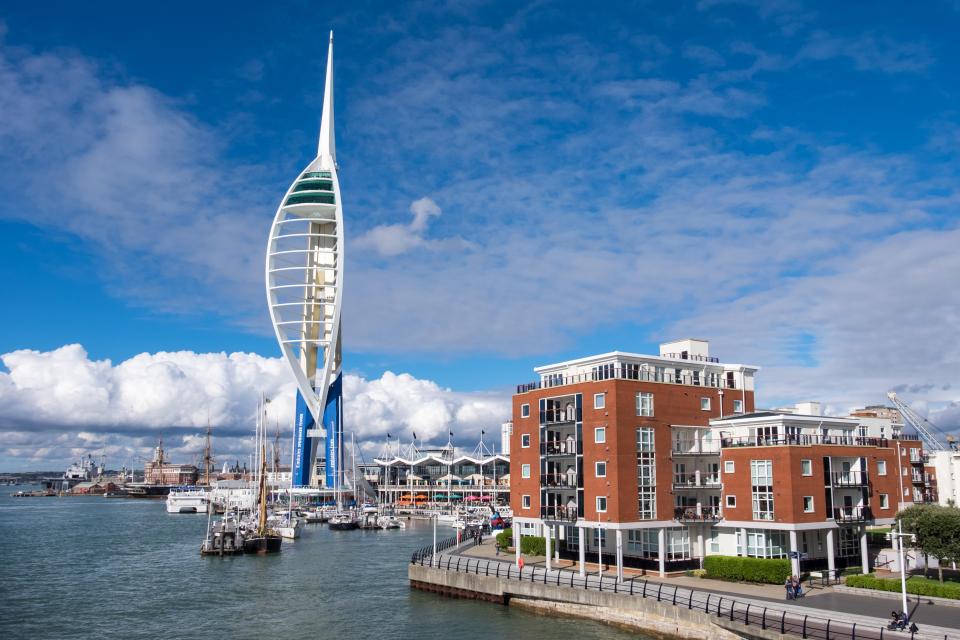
(779, 177)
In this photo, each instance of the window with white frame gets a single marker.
(738, 406)
(806, 467)
(678, 544)
(705, 404)
(762, 543)
(525, 441)
(601, 504)
(526, 502)
(731, 501)
(884, 501)
(525, 471)
(599, 401)
(808, 504)
(646, 474)
(714, 540)
(881, 467)
(600, 435)
(849, 543)
(644, 543)
(728, 466)
(599, 538)
(645, 404)
(525, 411)
(572, 538)
(761, 481)
(601, 469)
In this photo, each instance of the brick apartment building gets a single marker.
(658, 461)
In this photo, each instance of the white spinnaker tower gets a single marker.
(304, 281)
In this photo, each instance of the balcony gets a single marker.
(690, 514)
(918, 459)
(691, 481)
(630, 372)
(561, 448)
(558, 513)
(922, 478)
(694, 448)
(802, 440)
(852, 514)
(559, 480)
(560, 417)
(849, 479)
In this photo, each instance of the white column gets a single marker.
(546, 536)
(619, 555)
(516, 541)
(742, 547)
(662, 550)
(831, 560)
(795, 558)
(864, 552)
(583, 551)
(701, 545)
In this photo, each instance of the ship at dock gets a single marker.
(160, 476)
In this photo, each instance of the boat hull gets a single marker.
(262, 545)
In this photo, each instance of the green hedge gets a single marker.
(505, 538)
(771, 571)
(917, 587)
(533, 545)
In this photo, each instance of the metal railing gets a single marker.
(561, 448)
(760, 441)
(690, 481)
(689, 514)
(559, 480)
(850, 478)
(630, 372)
(726, 608)
(565, 514)
(426, 552)
(852, 514)
(695, 448)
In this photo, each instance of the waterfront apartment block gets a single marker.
(655, 462)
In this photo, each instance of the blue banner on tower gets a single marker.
(302, 450)
(333, 423)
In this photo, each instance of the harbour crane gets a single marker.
(934, 439)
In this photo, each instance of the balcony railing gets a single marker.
(690, 481)
(694, 448)
(559, 480)
(688, 356)
(559, 416)
(630, 372)
(849, 478)
(922, 478)
(564, 514)
(562, 448)
(852, 514)
(690, 514)
(803, 440)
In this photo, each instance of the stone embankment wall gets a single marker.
(658, 619)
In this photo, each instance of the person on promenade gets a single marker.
(788, 586)
(797, 587)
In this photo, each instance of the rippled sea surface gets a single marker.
(94, 567)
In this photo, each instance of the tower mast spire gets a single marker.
(326, 147)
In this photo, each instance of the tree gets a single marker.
(937, 531)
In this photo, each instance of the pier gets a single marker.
(653, 607)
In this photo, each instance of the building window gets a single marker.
(601, 469)
(881, 467)
(738, 406)
(572, 538)
(600, 435)
(705, 404)
(732, 501)
(525, 411)
(599, 401)
(646, 474)
(728, 466)
(806, 468)
(766, 544)
(601, 504)
(678, 544)
(849, 543)
(526, 502)
(645, 404)
(808, 504)
(714, 540)
(525, 441)
(644, 543)
(761, 476)
(884, 501)
(525, 471)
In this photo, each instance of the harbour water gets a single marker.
(92, 567)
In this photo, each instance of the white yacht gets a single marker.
(287, 524)
(188, 500)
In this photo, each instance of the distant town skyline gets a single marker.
(522, 185)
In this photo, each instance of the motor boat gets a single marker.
(188, 500)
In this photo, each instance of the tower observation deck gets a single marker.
(304, 285)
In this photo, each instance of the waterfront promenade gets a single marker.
(870, 614)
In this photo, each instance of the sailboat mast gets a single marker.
(263, 493)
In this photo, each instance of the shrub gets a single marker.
(770, 571)
(914, 586)
(698, 573)
(533, 545)
(505, 538)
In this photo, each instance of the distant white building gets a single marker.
(506, 430)
(947, 468)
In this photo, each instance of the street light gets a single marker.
(899, 535)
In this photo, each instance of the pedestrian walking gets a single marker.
(788, 586)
